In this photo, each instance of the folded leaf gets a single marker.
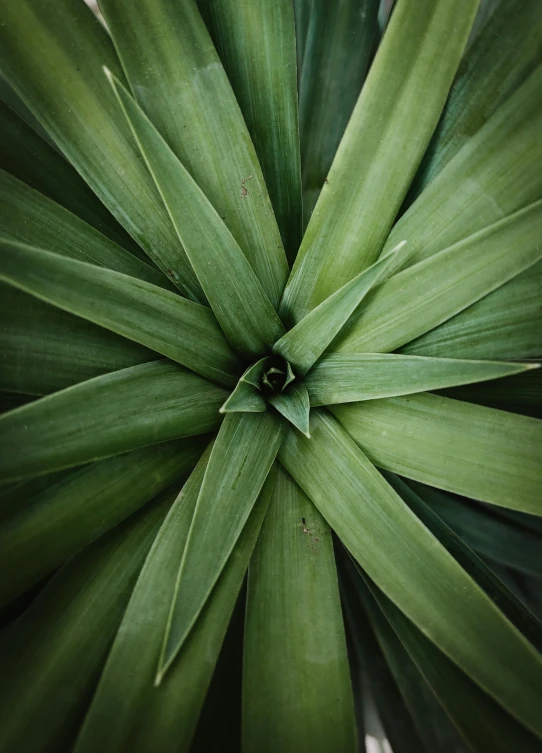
(468, 449)
(182, 330)
(29, 217)
(241, 458)
(164, 718)
(495, 174)
(507, 49)
(303, 345)
(244, 399)
(69, 515)
(131, 408)
(412, 73)
(344, 378)
(409, 564)
(73, 101)
(294, 405)
(53, 655)
(44, 349)
(264, 33)
(427, 294)
(30, 158)
(179, 81)
(296, 682)
(505, 324)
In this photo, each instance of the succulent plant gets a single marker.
(270, 437)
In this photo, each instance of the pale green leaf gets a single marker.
(495, 174)
(73, 101)
(306, 341)
(30, 217)
(410, 565)
(237, 298)
(29, 157)
(244, 399)
(340, 39)
(345, 378)
(182, 330)
(294, 405)
(164, 718)
(383, 144)
(427, 294)
(241, 458)
(297, 696)
(507, 49)
(105, 416)
(83, 505)
(178, 79)
(44, 349)
(263, 33)
(53, 655)
(505, 324)
(468, 449)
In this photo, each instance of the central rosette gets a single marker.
(276, 375)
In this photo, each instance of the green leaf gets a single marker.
(386, 137)
(242, 456)
(489, 535)
(31, 159)
(495, 174)
(425, 295)
(506, 51)
(468, 449)
(244, 399)
(344, 378)
(182, 330)
(240, 303)
(179, 81)
(505, 324)
(379, 684)
(405, 560)
(486, 578)
(297, 695)
(73, 101)
(303, 345)
(264, 33)
(294, 405)
(68, 515)
(131, 408)
(340, 41)
(435, 729)
(29, 217)
(44, 349)
(53, 655)
(164, 718)
(302, 13)
(479, 719)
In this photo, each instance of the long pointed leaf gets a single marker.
(468, 449)
(384, 142)
(44, 349)
(229, 281)
(242, 456)
(179, 81)
(344, 378)
(423, 296)
(73, 101)
(296, 686)
(304, 344)
(182, 330)
(264, 33)
(412, 565)
(131, 408)
(164, 718)
(52, 657)
(294, 405)
(70, 514)
(31, 159)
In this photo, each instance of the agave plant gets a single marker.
(270, 293)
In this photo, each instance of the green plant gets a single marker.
(195, 385)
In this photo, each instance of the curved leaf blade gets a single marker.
(294, 405)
